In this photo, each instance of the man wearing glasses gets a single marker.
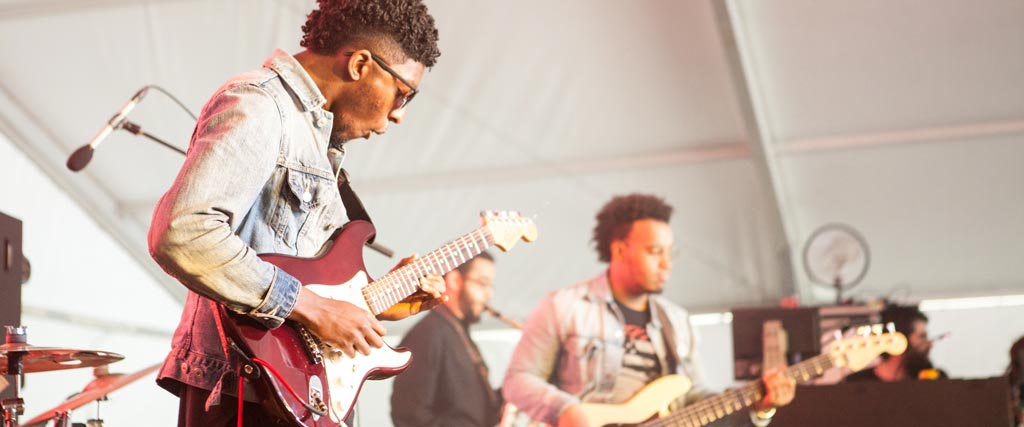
(447, 383)
(261, 176)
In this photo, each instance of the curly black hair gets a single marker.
(405, 22)
(616, 218)
(903, 317)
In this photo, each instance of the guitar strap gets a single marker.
(474, 352)
(673, 362)
(668, 336)
(353, 206)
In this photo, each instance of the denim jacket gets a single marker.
(258, 178)
(572, 345)
(571, 350)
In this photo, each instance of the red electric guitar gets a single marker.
(315, 384)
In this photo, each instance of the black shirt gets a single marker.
(640, 364)
(443, 386)
(870, 375)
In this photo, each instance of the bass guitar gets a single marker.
(655, 398)
(305, 379)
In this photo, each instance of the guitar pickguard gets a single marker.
(652, 399)
(345, 375)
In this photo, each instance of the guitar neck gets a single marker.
(714, 408)
(402, 282)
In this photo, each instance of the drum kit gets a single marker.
(17, 358)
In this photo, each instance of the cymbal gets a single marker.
(41, 359)
(95, 390)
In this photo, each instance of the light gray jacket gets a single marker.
(572, 348)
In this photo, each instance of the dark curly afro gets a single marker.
(617, 216)
(405, 22)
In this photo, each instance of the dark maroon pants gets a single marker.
(192, 413)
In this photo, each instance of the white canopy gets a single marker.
(759, 121)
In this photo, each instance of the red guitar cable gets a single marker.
(241, 381)
(276, 374)
(288, 386)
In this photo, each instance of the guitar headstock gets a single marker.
(858, 351)
(508, 228)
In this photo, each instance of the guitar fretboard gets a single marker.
(714, 408)
(398, 284)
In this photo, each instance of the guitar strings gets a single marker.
(716, 407)
(381, 293)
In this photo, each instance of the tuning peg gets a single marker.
(863, 330)
(891, 327)
(876, 329)
(838, 336)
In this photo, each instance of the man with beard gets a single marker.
(447, 383)
(604, 339)
(914, 362)
(262, 175)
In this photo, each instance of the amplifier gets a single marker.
(936, 403)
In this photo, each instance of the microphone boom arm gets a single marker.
(81, 157)
(137, 130)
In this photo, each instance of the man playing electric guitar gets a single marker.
(261, 176)
(604, 339)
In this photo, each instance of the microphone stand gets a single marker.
(503, 318)
(137, 130)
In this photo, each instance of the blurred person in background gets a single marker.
(914, 363)
(447, 384)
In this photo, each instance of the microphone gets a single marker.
(505, 319)
(83, 155)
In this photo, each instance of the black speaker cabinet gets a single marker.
(10, 279)
(802, 327)
(937, 403)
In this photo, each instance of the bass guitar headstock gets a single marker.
(858, 351)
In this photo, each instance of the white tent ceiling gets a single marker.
(760, 121)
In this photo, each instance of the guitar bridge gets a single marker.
(312, 344)
(317, 401)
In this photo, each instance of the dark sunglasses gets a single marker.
(401, 99)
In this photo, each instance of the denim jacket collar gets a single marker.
(297, 79)
(600, 290)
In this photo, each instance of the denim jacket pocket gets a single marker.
(299, 201)
(302, 190)
(581, 362)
